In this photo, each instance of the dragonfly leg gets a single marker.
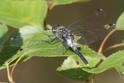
(65, 48)
(52, 39)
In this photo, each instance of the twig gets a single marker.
(8, 73)
(114, 46)
(92, 80)
(104, 41)
(14, 66)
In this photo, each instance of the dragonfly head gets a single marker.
(57, 28)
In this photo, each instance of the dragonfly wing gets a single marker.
(90, 27)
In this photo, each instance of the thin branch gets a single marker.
(8, 73)
(104, 41)
(14, 66)
(92, 80)
(114, 46)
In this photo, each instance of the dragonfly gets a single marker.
(84, 27)
(67, 39)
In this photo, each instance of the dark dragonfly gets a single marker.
(91, 28)
(67, 39)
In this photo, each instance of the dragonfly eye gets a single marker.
(55, 27)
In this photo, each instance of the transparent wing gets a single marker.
(91, 27)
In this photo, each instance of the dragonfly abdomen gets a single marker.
(76, 51)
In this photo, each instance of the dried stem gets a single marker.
(8, 73)
(104, 41)
(92, 80)
(14, 66)
(114, 46)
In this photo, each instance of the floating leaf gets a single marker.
(120, 22)
(28, 41)
(9, 45)
(73, 69)
(18, 13)
(113, 61)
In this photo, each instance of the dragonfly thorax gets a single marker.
(65, 35)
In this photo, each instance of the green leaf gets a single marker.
(72, 67)
(28, 41)
(120, 22)
(3, 30)
(63, 2)
(17, 13)
(9, 45)
(113, 61)
(37, 43)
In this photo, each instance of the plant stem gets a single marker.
(8, 73)
(104, 41)
(13, 68)
(114, 46)
(92, 80)
(17, 61)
